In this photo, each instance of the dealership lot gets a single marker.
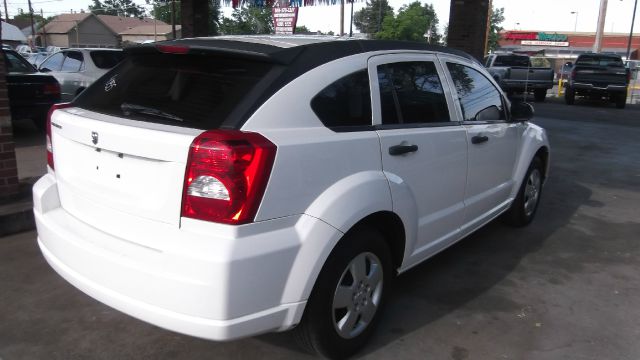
(566, 287)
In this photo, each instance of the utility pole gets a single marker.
(44, 31)
(597, 46)
(33, 30)
(6, 12)
(77, 34)
(341, 17)
(173, 18)
(633, 21)
(351, 22)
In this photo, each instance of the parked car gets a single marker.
(31, 94)
(515, 75)
(24, 49)
(76, 69)
(598, 76)
(223, 188)
(37, 59)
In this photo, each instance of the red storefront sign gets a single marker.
(284, 20)
(521, 35)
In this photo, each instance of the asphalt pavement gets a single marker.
(565, 287)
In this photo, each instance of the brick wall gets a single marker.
(468, 26)
(8, 166)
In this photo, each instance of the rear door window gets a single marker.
(72, 61)
(196, 91)
(411, 92)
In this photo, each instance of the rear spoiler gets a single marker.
(223, 48)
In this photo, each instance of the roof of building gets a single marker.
(119, 24)
(64, 23)
(160, 29)
(12, 33)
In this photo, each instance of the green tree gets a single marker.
(248, 20)
(496, 18)
(302, 30)
(117, 8)
(25, 15)
(369, 19)
(411, 24)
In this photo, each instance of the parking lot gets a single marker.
(566, 287)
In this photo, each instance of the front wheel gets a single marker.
(525, 205)
(347, 299)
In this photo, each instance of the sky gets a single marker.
(542, 15)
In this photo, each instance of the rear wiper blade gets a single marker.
(140, 109)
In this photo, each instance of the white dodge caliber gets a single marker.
(226, 187)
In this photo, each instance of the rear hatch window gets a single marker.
(195, 91)
(106, 59)
(511, 60)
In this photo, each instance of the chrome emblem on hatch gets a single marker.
(110, 84)
(94, 137)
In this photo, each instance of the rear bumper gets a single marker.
(216, 287)
(585, 87)
(520, 85)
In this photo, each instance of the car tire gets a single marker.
(621, 100)
(569, 96)
(540, 95)
(524, 207)
(338, 326)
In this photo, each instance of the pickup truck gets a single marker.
(515, 74)
(31, 93)
(598, 76)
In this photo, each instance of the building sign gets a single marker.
(540, 36)
(544, 43)
(519, 35)
(552, 37)
(284, 20)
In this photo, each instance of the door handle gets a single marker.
(478, 139)
(402, 149)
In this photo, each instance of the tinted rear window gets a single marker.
(106, 59)
(591, 60)
(193, 91)
(511, 60)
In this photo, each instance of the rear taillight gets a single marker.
(172, 49)
(49, 143)
(226, 175)
(51, 89)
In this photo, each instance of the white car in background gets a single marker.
(76, 69)
(224, 188)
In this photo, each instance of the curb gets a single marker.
(16, 214)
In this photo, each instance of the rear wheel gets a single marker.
(540, 94)
(621, 100)
(347, 299)
(525, 205)
(569, 96)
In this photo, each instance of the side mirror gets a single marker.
(44, 69)
(521, 111)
